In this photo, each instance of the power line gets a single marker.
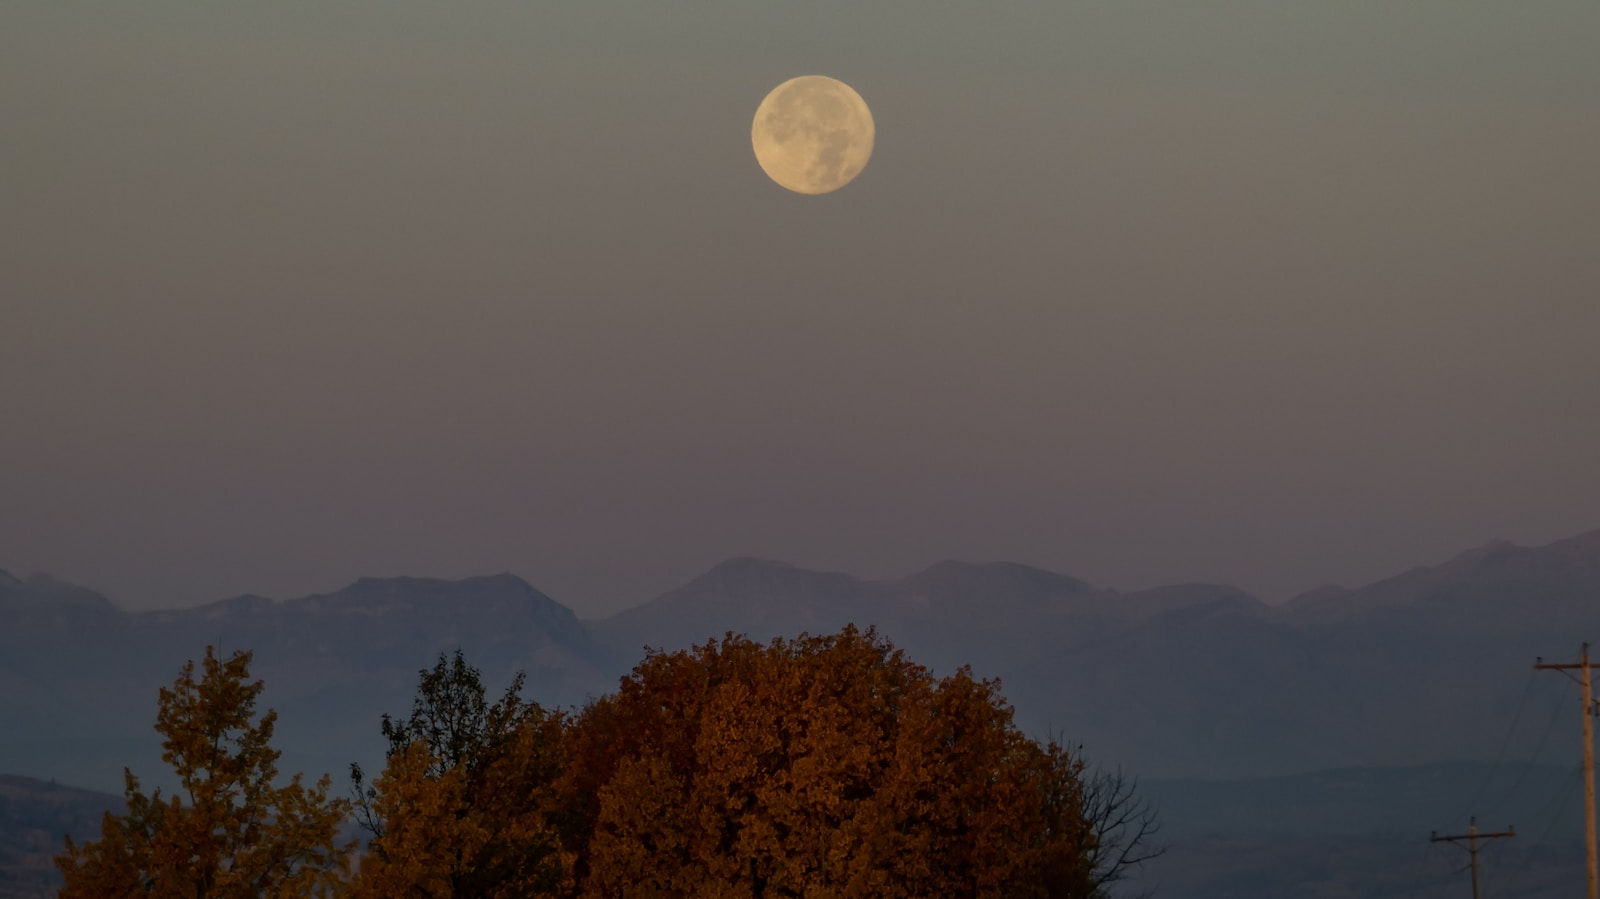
(1427, 880)
(1550, 813)
(1483, 783)
(1553, 716)
(1429, 851)
(1557, 805)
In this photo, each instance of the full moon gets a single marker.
(813, 134)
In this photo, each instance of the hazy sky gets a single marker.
(1273, 294)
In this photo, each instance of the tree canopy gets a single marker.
(824, 766)
(233, 831)
(461, 807)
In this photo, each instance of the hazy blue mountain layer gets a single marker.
(1187, 681)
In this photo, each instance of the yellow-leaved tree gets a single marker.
(232, 830)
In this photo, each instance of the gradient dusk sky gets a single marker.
(1272, 294)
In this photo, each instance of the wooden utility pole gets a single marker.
(1472, 837)
(1586, 684)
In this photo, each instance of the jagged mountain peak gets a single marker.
(1316, 595)
(1500, 560)
(1213, 597)
(43, 592)
(407, 590)
(1496, 574)
(1581, 551)
(504, 601)
(1588, 542)
(952, 576)
(243, 604)
(747, 576)
(760, 598)
(404, 582)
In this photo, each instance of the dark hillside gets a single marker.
(35, 817)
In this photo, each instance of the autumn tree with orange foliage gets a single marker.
(238, 834)
(819, 767)
(823, 766)
(460, 808)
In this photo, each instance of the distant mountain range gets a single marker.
(1193, 680)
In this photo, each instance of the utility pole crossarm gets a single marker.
(1511, 832)
(1471, 838)
(1540, 664)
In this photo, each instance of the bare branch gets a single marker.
(1124, 826)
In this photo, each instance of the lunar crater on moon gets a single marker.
(813, 134)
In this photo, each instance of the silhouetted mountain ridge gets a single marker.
(1191, 680)
(1562, 574)
(43, 598)
(81, 693)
